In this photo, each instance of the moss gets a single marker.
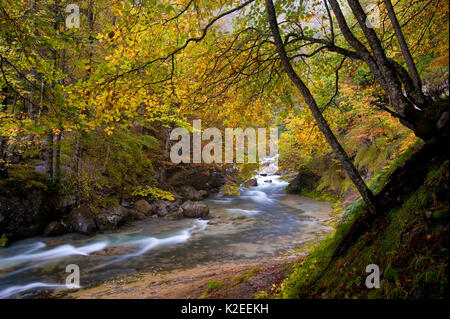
(22, 179)
(325, 196)
(261, 295)
(248, 275)
(213, 285)
(3, 241)
(408, 244)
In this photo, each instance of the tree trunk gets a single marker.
(350, 169)
(3, 167)
(77, 167)
(57, 178)
(3, 139)
(49, 156)
(166, 154)
(387, 73)
(403, 46)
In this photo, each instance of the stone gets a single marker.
(160, 207)
(303, 181)
(137, 215)
(56, 228)
(143, 206)
(112, 218)
(190, 193)
(253, 182)
(83, 221)
(204, 194)
(195, 209)
(24, 216)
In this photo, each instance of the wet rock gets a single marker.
(137, 215)
(144, 207)
(175, 213)
(127, 205)
(160, 207)
(190, 193)
(112, 218)
(197, 177)
(268, 181)
(303, 181)
(263, 174)
(82, 220)
(215, 181)
(56, 228)
(195, 209)
(204, 194)
(168, 209)
(24, 215)
(62, 204)
(253, 182)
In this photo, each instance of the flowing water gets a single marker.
(262, 222)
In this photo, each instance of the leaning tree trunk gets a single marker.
(346, 162)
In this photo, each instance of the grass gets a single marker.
(419, 225)
(247, 275)
(213, 285)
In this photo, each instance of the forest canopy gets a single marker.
(353, 93)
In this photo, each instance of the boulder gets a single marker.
(190, 193)
(56, 228)
(112, 218)
(160, 207)
(215, 181)
(204, 194)
(143, 206)
(268, 181)
(175, 213)
(24, 215)
(303, 181)
(253, 182)
(63, 204)
(168, 209)
(83, 221)
(197, 177)
(137, 215)
(195, 209)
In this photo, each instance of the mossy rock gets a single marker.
(21, 181)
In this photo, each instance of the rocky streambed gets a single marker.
(263, 223)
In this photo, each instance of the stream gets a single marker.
(262, 222)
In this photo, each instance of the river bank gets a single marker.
(261, 228)
(240, 278)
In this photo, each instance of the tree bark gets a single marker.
(57, 177)
(389, 74)
(403, 46)
(345, 161)
(49, 156)
(3, 139)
